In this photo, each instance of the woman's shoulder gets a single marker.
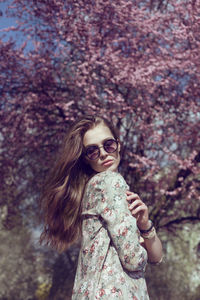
(107, 178)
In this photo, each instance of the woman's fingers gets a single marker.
(131, 196)
(138, 209)
(135, 203)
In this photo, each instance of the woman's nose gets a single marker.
(103, 153)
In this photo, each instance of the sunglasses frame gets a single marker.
(103, 146)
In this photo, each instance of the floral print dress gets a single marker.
(111, 261)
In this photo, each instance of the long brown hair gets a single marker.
(64, 187)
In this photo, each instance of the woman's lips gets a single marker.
(107, 163)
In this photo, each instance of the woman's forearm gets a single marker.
(154, 249)
(150, 240)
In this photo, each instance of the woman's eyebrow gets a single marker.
(108, 138)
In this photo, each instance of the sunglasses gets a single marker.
(93, 152)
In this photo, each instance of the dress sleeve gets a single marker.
(109, 191)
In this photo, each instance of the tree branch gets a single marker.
(181, 220)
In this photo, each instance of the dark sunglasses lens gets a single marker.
(92, 152)
(110, 146)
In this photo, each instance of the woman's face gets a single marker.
(106, 161)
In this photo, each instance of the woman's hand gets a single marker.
(139, 210)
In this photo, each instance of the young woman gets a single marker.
(86, 197)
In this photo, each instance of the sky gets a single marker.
(6, 22)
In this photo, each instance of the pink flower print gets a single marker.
(104, 267)
(107, 210)
(102, 292)
(119, 293)
(84, 269)
(122, 279)
(110, 272)
(85, 251)
(114, 290)
(126, 259)
(92, 248)
(125, 231)
(135, 298)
